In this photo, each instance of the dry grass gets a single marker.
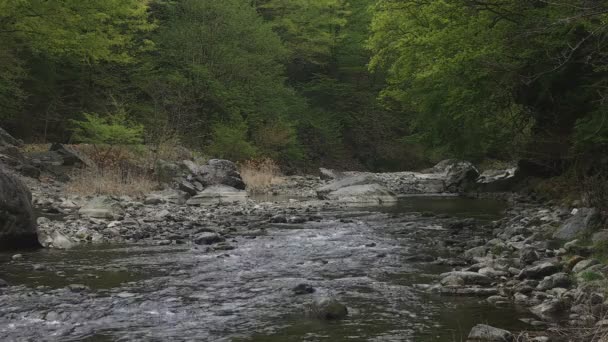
(115, 182)
(35, 148)
(260, 175)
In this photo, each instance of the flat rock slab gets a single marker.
(218, 194)
(366, 193)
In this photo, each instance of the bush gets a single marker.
(110, 130)
(107, 135)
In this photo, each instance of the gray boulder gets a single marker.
(581, 222)
(549, 309)
(460, 176)
(482, 332)
(365, 193)
(220, 172)
(556, 280)
(102, 207)
(17, 221)
(539, 271)
(218, 194)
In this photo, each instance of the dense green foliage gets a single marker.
(496, 78)
(376, 84)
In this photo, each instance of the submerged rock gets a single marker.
(17, 222)
(482, 332)
(302, 289)
(208, 238)
(329, 309)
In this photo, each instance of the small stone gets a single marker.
(302, 289)
(208, 238)
(17, 257)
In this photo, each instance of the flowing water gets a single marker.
(365, 258)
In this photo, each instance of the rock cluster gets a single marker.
(521, 264)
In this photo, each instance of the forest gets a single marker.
(355, 84)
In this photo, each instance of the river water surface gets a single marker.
(368, 259)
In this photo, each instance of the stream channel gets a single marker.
(369, 259)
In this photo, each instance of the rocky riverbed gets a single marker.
(264, 276)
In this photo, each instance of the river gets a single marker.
(370, 259)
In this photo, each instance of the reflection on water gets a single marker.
(454, 206)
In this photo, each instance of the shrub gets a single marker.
(230, 142)
(110, 130)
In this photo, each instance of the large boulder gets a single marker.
(365, 193)
(218, 194)
(460, 176)
(583, 221)
(220, 172)
(17, 221)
